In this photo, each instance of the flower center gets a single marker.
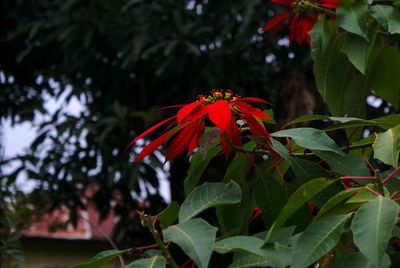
(304, 8)
(218, 94)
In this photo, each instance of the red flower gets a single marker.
(188, 125)
(304, 12)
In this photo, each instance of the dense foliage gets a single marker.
(321, 202)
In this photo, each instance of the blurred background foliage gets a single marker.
(123, 60)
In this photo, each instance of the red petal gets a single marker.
(186, 110)
(293, 28)
(256, 127)
(233, 134)
(256, 212)
(150, 130)
(195, 141)
(250, 110)
(282, 2)
(149, 148)
(182, 140)
(172, 106)
(220, 114)
(197, 113)
(329, 3)
(252, 99)
(277, 20)
(303, 27)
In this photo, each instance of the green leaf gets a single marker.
(333, 73)
(233, 219)
(356, 93)
(320, 37)
(310, 138)
(195, 237)
(300, 197)
(282, 235)
(353, 18)
(335, 201)
(359, 260)
(271, 195)
(209, 140)
(319, 238)
(387, 146)
(246, 244)
(251, 261)
(384, 122)
(209, 195)
(387, 16)
(197, 168)
(101, 258)
(385, 78)
(346, 165)
(359, 50)
(303, 169)
(154, 262)
(169, 214)
(372, 226)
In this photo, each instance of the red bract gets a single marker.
(304, 14)
(222, 109)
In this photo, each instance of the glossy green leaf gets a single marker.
(300, 197)
(195, 237)
(282, 235)
(333, 73)
(372, 227)
(169, 214)
(209, 195)
(197, 168)
(101, 258)
(387, 16)
(353, 18)
(317, 240)
(387, 146)
(154, 262)
(346, 165)
(385, 78)
(335, 201)
(310, 138)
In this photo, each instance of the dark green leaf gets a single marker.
(300, 197)
(335, 201)
(385, 78)
(197, 167)
(169, 215)
(346, 165)
(333, 73)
